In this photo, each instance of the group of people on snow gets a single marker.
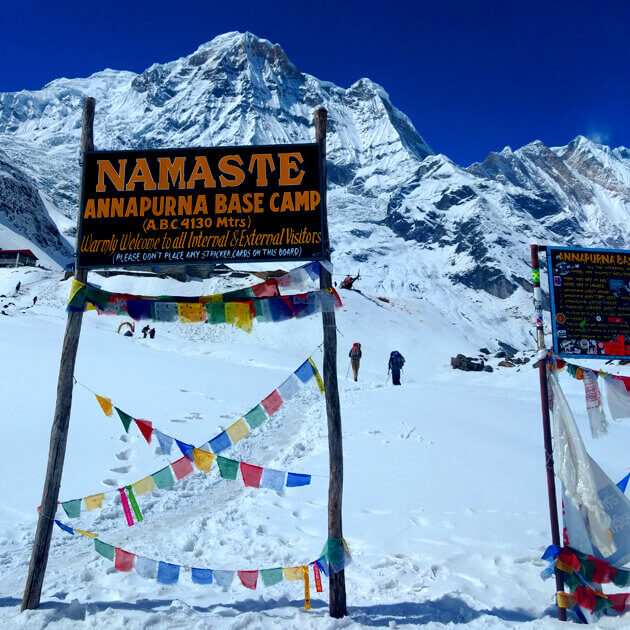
(395, 365)
(147, 330)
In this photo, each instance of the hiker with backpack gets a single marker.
(396, 362)
(355, 355)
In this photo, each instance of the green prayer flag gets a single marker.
(333, 551)
(602, 603)
(572, 581)
(238, 294)
(622, 578)
(215, 313)
(255, 417)
(587, 569)
(107, 551)
(271, 576)
(134, 504)
(227, 467)
(97, 296)
(72, 508)
(163, 478)
(263, 311)
(124, 418)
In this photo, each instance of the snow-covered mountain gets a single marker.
(413, 221)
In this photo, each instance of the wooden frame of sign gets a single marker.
(169, 222)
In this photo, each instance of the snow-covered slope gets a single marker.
(411, 220)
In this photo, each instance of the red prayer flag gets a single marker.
(619, 601)
(602, 572)
(569, 559)
(266, 289)
(182, 467)
(251, 475)
(125, 505)
(585, 598)
(249, 579)
(123, 560)
(145, 428)
(272, 403)
(318, 578)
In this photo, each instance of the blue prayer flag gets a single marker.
(139, 309)
(168, 573)
(305, 372)
(295, 479)
(65, 527)
(201, 576)
(623, 484)
(322, 563)
(551, 552)
(186, 449)
(220, 442)
(166, 441)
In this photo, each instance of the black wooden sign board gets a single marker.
(590, 302)
(181, 206)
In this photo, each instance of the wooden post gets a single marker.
(544, 400)
(337, 581)
(59, 431)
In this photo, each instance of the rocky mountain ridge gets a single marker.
(412, 219)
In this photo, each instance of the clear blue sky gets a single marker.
(472, 76)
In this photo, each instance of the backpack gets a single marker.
(355, 351)
(396, 360)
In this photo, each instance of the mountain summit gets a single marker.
(417, 220)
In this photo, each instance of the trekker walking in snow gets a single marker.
(145, 331)
(396, 362)
(152, 333)
(355, 355)
(34, 300)
(17, 288)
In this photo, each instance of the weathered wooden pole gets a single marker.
(337, 581)
(59, 430)
(544, 400)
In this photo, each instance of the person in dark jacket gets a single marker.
(145, 331)
(396, 362)
(355, 355)
(152, 333)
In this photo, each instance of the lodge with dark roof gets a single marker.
(17, 258)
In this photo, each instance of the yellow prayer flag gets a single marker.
(88, 534)
(345, 546)
(143, 486)
(565, 600)
(205, 299)
(563, 567)
(90, 307)
(293, 573)
(203, 459)
(307, 589)
(94, 501)
(106, 405)
(75, 288)
(239, 314)
(318, 378)
(190, 312)
(238, 431)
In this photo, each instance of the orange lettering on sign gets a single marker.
(116, 177)
(201, 172)
(171, 171)
(227, 167)
(259, 163)
(288, 164)
(141, 175)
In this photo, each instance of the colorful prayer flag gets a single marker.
(165, 312)
(249, 579)
(223, 578)
(124, 418)
(65, 527)
(227, 467)
(163, 478)
(94, 501)
(124, 560)
(293, 573)
(318, 578)
(295, 480)
(318, 378)
(143, 486)
(72, 508)
(139, 309)
(134, 504)
(271, 576)
(623, 484)
(237, 431)
(305, 372)
(165, 441)
(168, 573)
(203, 459)
(251, 475)
(215, 313)
(106, 404)
(186, 449)
(190, 312)
(289, 388)
(220, 442)
(74, 299)
(107, 551)
(182, 467)
(272, 403)
(255, 417)
(263, 310)
(84, 533)
(125, 506)
(239, 314)
(201, 576)
(273, 479)
(307, 590)
(145, 428)
(146, 567)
